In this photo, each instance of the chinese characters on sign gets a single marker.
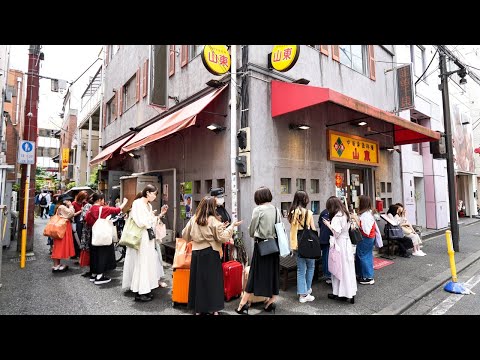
(405, 87)
(26, 152)
(284, 57)
(65, 157)
(350, 148)
(216, 59)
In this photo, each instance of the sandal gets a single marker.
(63, 268)
(162, 284)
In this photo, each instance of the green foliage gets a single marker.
(16, 187)
(93, 184)
(70, 185)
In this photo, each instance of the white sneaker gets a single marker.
(304, 299)
(421, 253)
(418, 253)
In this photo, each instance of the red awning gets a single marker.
(107, 153)
(179, 120)
(289, 97)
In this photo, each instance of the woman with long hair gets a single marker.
(208, 233)
(102, 258)
(298, 215)
(140, 268)
(63, 248)
(345, 286)
(364, 253)
(408, 230)
(263, 278)
(77, 225)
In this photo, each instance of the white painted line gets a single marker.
(446, 304)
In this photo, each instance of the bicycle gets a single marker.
(120, 250)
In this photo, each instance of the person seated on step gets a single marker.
(404, 243)
(408, 230)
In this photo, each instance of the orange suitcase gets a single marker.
(180, 283)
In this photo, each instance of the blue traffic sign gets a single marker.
(26, 152)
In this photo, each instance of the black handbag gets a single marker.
(309, 243)
(354, 233)
(267, 246)
(393, 232)
(151, 234)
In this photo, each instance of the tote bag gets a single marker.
(56, 227)
(354, 233)
(393, 232)
(283, 243)
(309, 243)
(183, 254)
(131, 235)
(335, 261)
(102, 231)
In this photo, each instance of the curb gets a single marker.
(406, 301)
(442, 231)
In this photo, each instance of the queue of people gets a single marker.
(211, 228)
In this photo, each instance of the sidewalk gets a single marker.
(35, 290)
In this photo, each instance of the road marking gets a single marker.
(446, 304)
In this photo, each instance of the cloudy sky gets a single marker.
(65, 62)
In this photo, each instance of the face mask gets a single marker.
(220, 201)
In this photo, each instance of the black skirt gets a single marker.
(263, 279)
(102, 259)
(205, 291)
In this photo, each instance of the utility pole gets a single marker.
(26, 200)
(449, 147)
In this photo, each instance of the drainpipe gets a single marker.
(233, 130)
(17, 111)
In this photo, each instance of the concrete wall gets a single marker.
(428, 101)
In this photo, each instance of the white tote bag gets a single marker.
(102, 231)
(283, 243)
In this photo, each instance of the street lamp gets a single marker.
(444, 74)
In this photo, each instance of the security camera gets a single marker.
(30, 114)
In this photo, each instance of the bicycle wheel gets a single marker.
(119, 252)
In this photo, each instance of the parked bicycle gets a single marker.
(120, 250)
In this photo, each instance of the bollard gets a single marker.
(451, 255)
(453, 286)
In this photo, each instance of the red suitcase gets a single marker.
(232, 279)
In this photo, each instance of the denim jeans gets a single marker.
(364, 258)
(305, 270)
(325, 249)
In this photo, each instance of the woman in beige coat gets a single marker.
(208, 233)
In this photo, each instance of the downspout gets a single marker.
(17, 111)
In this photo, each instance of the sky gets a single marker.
(65, 62)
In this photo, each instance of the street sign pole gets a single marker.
(26, 155)
(23, 249)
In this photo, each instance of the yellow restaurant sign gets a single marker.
(351, 148)
(284, 57)
(65, 157)
(216, 59)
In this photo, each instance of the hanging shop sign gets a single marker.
(284, 57)
(216, 59)
(65, 157)
(351, 148)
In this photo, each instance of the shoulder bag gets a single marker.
(354, 233)
(102, 231)
(268, 246)
(393, 232)
(335, 261)
(131, 234)
(283, 243)
(56, 227)
(309, 243)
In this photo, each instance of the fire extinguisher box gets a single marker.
(379, 205)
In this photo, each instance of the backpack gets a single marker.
(43, 200)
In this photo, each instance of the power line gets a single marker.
(433, 57)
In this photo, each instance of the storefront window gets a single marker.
(314, 186)
(285, 207)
